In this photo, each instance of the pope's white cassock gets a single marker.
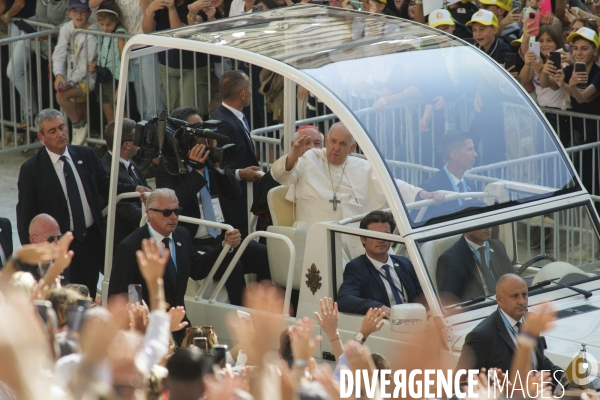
(354, 184)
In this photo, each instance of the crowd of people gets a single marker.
(56, 343)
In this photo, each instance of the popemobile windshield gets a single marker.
(518, 182)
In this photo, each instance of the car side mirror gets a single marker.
(408, 318)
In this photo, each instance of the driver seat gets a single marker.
(432, 250)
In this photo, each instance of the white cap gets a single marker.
(440, 17)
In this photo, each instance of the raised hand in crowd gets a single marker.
(372, 321)
(177, 314)
(328, 321)
(138, 317)
(267, 301)
(31, 254)
(534, 324)
(513, 16)
(152, 267)
(302, 341)
(62, 259)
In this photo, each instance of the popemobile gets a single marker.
(400, 87)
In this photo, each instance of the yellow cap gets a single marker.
(484, 17)
(440, 17)
(587, 34)
(517, 42)
(504, 4)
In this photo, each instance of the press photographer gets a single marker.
(200, 187)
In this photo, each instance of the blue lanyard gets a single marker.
(512, 331)
(508, 325)
(393, 285)
(171, 246)
(454, 187)
(487, 254)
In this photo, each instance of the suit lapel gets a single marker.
(48, 172)
(81, 167)
(181, 263)
(470, 261)
(240, 124)
(503, 332)
(378, 277)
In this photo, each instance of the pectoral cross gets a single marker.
(335, 202)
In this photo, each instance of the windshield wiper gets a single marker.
(541, 284)
(467, 303)
(538, 285)
(585, 293)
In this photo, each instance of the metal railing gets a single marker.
(236, 258)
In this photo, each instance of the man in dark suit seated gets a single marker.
(378, 279)
(67, 182)
(202, 192)
(236, 90)
(129, 211)
(459, 154)
(471, 267)
(6, 242)
(163, 215)
(492, 343)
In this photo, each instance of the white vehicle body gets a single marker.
(519, 206)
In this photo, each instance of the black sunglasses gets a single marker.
(51, 239)
(167, 213)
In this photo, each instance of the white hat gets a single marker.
(440, 17)
(484, 17)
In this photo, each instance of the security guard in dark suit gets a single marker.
(129, 211)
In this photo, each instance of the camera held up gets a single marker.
(172, 138)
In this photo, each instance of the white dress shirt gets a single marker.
(58, 167)
(159, 238)
(379, 267)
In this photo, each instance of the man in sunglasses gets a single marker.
(43, 228)
(163, 216)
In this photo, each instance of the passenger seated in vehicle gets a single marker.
(472, 266)
(330, 185)
(378, 279)
(260, 207)
(459, 154)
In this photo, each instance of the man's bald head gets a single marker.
(41, 227)
(340, 144)
(316, 137)
(512, 295)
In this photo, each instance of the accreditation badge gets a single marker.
(217, 208)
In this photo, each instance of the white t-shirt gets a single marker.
(546, 97)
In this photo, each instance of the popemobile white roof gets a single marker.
(401, 87)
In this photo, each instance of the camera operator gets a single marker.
(200, 192)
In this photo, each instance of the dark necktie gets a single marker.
(246, 124)
(133, 175)
(485, 270)
(171, 270)
(460, 186)
(74, 200)
(518, 324)
(388, 277)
